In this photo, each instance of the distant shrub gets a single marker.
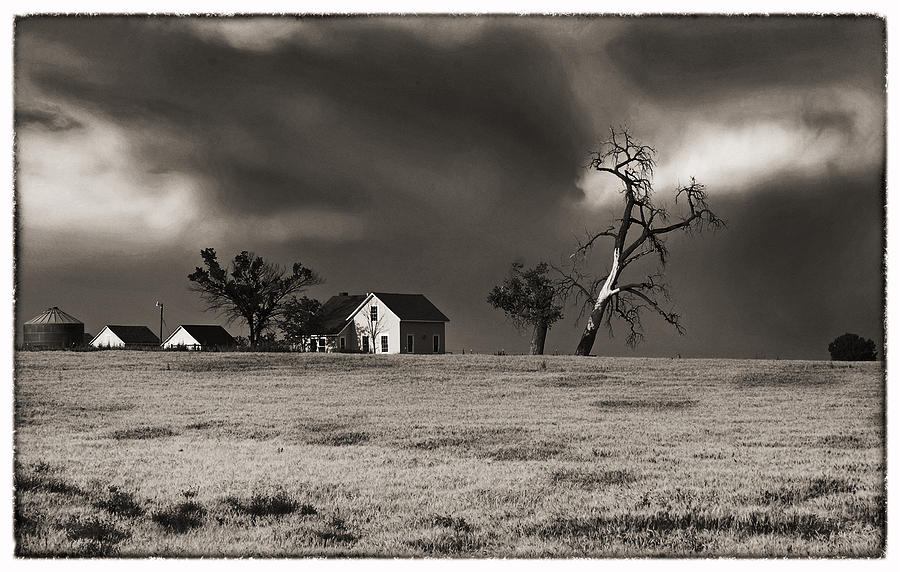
(279, 504)
(456, 537)
(101, 531)
(335, 531)
(851, 347)
(180, 518)
(42, 467)
(119, 502)
(456, 523)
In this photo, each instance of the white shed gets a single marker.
(112, 336)
(199, 337)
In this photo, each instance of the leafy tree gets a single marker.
(640, 231)
(300, 318)
(529, 298)
(252, 289)
(851, 347)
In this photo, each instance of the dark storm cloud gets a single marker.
(799, 264)
(48, 119)
(690, 60)
(459, 152)
(343, 125)
(824, 120)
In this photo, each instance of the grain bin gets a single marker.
(53, 328)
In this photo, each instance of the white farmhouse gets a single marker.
(380, 322)
(199, 337)
(128, 337)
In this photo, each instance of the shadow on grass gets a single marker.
(816, 488)
(635, 528)
(842, 442)
(577, 380)
(538, 451)
(591, 479)
(656, 404)
(340, 438)
(787, 375)
(143, 432)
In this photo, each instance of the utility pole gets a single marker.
(160, 306)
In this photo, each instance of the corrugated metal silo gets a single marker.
(53, 328)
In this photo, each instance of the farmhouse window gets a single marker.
(343, 344)
(409, 343)
(437, 344)
(366, 344)
(373, 311)
(384, 344)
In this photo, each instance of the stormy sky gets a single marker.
(424, 154)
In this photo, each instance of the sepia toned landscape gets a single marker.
(248, 454)
(449, 286)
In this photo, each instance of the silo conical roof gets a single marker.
(53, 316)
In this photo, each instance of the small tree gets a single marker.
(254, 290)
(300, 319)
(529, 298)
(370, 326)
(851, 347)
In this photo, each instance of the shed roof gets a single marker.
(412, 307)
(208, 335)
(138, 335)
(53, 316)
(334, 313)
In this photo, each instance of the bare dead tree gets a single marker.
(370, 327)
(641, 231)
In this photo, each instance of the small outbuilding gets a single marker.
(199, 337)
(127, 337)
(53, 328)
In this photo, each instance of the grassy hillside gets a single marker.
(178, 454)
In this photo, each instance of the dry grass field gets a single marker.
(237, 454)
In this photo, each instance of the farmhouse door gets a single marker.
(409, 343)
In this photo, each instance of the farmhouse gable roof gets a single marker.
(333, 313)
(408, 307)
